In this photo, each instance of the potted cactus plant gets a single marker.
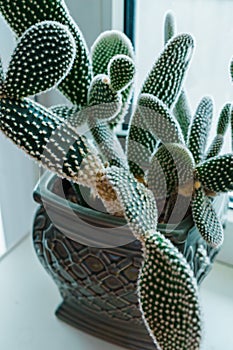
(129, 275)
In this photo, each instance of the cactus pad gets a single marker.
(121, 70)
(199, 130)
(103, 101)
(108, 45)
(171, 171)
(167, 75)
(206, 220)
(137, 201)
(168, 295)
(43, 136)
(215, 147)
(107, 142)
(42, 58)
(21, 14)
(169, 27)
(224, 119)
(182, 113)
(71, 115)
(216, 174)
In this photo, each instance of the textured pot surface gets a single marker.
(94, 260)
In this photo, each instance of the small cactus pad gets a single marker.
(168, 295)
(43, 136)
(68, 114)
(171, 171)
(169, 27)
(121, 70)
(199, 130)
(21, 14)
(159, 119)
(224, 119)
(206, 220)
(167, 75)
(107, 45)
(216, 174)
(137, 201)
(215, 147)
(42, 58)
(103, 101)
(182, 113)
(107, 142)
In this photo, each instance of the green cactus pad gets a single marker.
(159, 119)
(167, 75)
(44, 136)
(140, 145)
(199, 131)
(171, 171)
(169, 27)
(103, 101)
(182, 113)
(21, 14)
(121, 70)
(1, 77)
(137, 201)
(107, 142)
(42, 58)
(216, 174)
(71, 115)
(215, 147)
(107, 45)
(168, 295)
(206, 220)
(224, 119)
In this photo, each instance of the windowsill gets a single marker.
(29, 297)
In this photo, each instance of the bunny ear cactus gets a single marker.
(167, 290)
(22, 14)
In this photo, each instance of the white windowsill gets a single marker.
(28, 298)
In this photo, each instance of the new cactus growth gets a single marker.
(166, 158)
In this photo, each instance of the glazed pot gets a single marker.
(94, 259)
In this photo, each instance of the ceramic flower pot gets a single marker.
(94, 259)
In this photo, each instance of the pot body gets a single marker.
(95, 260)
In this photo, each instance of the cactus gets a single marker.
(165, 156)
